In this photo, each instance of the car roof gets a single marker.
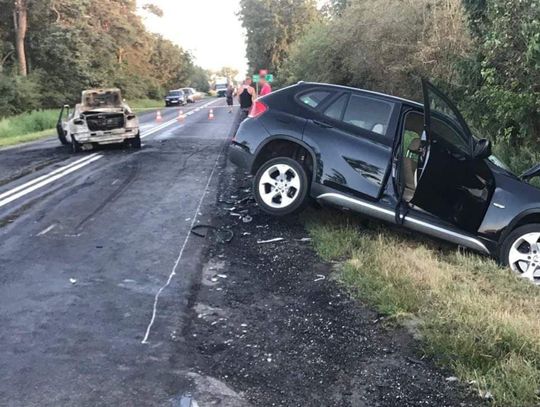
(364, 91)
(176, 90)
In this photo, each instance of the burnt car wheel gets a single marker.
(281, 186)
(136, 142)
(75, 146)
(521, 252)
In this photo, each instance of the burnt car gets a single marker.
(192, 95)
(407, 163)
(102, 117)
(176, 97)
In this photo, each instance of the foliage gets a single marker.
(76, 44)
(484, 53)
(271, 26)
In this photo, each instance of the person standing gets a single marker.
(229, 93)
(246, 97)
(265, 87)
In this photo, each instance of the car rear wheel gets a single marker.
(521, 252)
(281, 186)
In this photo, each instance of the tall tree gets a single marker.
(20, 23)
(271, 26)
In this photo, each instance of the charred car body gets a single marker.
(412, 164)
(102, 117)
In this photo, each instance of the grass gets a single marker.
(475, 317)
(27, 126)
(142, 104)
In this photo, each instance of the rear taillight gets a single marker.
(257, 109)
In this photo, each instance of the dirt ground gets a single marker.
(271, 327)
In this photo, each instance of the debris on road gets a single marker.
(247, 219)
(73, 280)
(320, 277)
(221, 234)
(277, 239)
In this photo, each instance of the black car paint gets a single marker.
(358, 169)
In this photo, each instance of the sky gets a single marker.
(209, 29)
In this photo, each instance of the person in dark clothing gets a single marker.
(229, 93)
(246, 97)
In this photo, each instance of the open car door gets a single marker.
(452, 184)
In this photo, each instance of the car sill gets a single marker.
(410, 222)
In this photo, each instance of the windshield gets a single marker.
(175, 93)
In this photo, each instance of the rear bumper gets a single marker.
(239, 156)
(106, 137)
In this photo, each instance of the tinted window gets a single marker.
(446, 130)
(368, 114)
(176, 93)
(335, 110)
(314, 99)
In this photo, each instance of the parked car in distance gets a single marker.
(415, 165)
(192, 95)
(176, 97)
(102, 117)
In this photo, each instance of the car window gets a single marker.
(368, 114)
(445, 130)
(335, 110)
(314, 98)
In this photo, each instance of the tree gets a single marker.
(20, 23)
(271, 27)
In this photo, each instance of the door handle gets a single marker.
(322, 124)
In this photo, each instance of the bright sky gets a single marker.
(209, 29)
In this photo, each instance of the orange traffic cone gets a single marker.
(158, 116)
(210, 114)
(181, 116)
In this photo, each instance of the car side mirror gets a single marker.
(482, 149)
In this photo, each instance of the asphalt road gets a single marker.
(95, 264)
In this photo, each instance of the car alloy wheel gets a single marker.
(521, 252)
(281, 186)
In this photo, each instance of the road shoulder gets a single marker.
(269, 321)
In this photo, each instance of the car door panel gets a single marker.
(355, 160)
(453, 185)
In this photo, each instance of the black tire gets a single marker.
(296, 176)
(75, 146)
(62, 138)
(531, 254)
(167, 104)
(136, 142)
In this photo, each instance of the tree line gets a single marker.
(50, 50)
(484, 53)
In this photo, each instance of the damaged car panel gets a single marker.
(102, 117)
(407, 163)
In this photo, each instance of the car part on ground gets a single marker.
(417, 165)
(102, 117)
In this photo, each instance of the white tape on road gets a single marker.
(48, 180)
(177, 262)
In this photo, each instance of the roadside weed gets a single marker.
(476, 317)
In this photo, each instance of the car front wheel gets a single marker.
(521, 252)
(281, 186)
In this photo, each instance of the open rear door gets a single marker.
(448, 185)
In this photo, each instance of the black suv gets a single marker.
(400, 161)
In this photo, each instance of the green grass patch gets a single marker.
(28, 126)
(475, 317)
(141, 104)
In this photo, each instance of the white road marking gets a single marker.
(38, 179)
(177, 262)
(47, 230)
(47, 181)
